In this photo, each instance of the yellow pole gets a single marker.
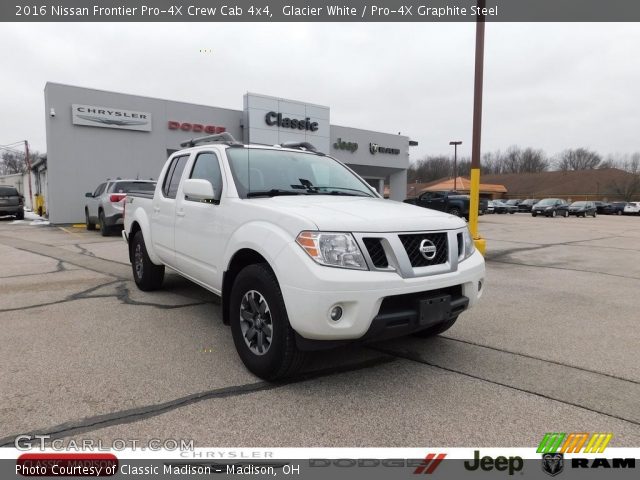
(474, 204)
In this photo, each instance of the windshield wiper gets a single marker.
(274, 192)
(334, 191)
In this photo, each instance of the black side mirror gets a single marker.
(88, 195)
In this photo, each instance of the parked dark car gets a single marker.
(450, 202)
(603, 208)
(500, 207)
(512, 205)
(527, 205)
(11, 202)
(583, 209)
(550, 207)
(617, 208)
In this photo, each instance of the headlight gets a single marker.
(332, 249)
(469, 244)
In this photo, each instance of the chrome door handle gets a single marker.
(156, 209)
(180, 213)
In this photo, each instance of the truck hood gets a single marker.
(359, 214)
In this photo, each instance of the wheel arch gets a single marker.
(240, 259)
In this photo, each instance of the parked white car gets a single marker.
(632, 208)
(303, 252)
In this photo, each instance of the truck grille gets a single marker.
(376, 252)
(412, 243)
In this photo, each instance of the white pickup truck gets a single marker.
(304, 254)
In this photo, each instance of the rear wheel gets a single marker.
(260, 326)
(90, 226)
(534, 214)
(595, 214)
(104, 229)
(565, 214)
(436, 329)
(147, 275)
(20, 215)
(554, 214)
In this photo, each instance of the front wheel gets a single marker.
(90, 226)
(20, 215)
(104, 229)
(534, 214)
(595, 214)
(260, 326)
(554, 214)
(147, 275)
(565, 214)
(436, 329)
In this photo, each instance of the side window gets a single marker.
(206, 167)
(99, 190)
(172, 178)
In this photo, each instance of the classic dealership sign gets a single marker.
(273, 118)
(109, 117)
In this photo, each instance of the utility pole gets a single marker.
(477, 130)
(455, 163)
(26, 156)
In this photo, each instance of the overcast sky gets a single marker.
(550, 86)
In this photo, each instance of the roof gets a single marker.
(559, 183)
(462, 184)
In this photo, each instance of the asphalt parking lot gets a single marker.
(553, 346)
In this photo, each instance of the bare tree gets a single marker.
(578, 159)
(626, 189)
(12, 163)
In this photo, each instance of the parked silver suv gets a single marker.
(106, 204)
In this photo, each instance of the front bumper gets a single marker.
(310, 291)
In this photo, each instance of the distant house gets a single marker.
(461, 184)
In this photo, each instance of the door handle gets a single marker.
(180, 213)
(156, 209)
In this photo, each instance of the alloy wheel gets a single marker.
(256, 322)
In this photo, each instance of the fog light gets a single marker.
(480, 285)
(336, 313)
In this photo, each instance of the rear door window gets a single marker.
(173, 176)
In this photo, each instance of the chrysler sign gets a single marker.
(109, 117)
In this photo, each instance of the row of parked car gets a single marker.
(553, 207)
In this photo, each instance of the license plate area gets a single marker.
(434, 310)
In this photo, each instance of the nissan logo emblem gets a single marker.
(428, 249)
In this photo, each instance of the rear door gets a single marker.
(200, 225)
(163, 214)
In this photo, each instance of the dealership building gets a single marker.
(94, 135)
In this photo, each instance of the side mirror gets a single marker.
(88, 195)
(198, 189)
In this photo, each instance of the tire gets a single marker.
(147, 275)
(619, 212)
(595, 214)
(257, 308)
(436, 329)
(565, 214)
(554, 214)
(512, 212)
(534, 214)
(20, 215)
(90, 226)
(104, 229)
(454, 211)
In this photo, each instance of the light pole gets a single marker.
(455, 162)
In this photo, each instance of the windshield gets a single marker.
(8, 191)
(578, 204)
(547, 201)
(512, 202)
(262, 172)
